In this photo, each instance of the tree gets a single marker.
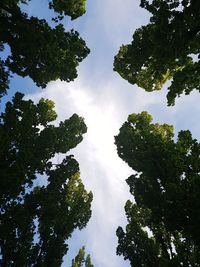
(38, 217)
(72, 8)
(37, 50)
(165, 49)
(163, 223)
(4, 78)
(80, 260)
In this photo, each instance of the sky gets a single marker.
(105, 100)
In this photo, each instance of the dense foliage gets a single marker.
(168, 48)
(41, 203)
(37, 50)
(81, 260)
(72, 8)
(163, 223)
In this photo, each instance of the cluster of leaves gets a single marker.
(72, 8)
(163, 223)
(80, 260)
(37, 50)
(37, 218)
(165, 49)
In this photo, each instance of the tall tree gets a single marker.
(36, 217)
(37, 50)
(165, 49)
(163, 223)
(80, 260)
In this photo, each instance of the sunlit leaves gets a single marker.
(156, 54)
(38, 217)
(72, 8)
(163, 223)
(81, 260)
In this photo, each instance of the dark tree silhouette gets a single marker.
(36, 217)
(37, 50)
(165, 49)
(163, 223)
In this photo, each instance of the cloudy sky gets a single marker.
(105, 100)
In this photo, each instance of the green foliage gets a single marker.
(37, 218)
(43, 53)
(72, 8)
(80, 260)
(156, 53)
(4, 78)
(163, 223)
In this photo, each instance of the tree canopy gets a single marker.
(81, 260)
(41, 202)
(165, 49)
(163, 223)
(37, 50)
(72, 8)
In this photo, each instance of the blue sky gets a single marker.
(105, 100)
